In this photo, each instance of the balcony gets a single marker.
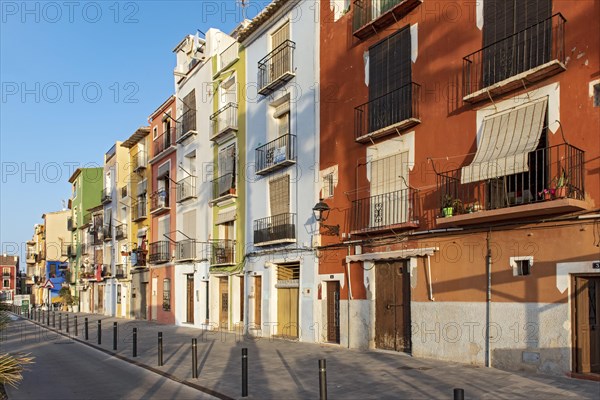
(385, 212)
(98, 236)
(139, 210)
(553, 184)
(159, 202)
(186, 189)
(107, 233)
(86, 249)
(30, 256)
(186, 126)
(163, 143)
(229, 56)
(274, 230)
(392, 112)
(140, 161)
(71, 226)
(87, 219)
(276, 154)
(185, 250)
(525, 57)
(222, 252)
(106, 196)
(224, 123)
(372, 16)
(121, 271)
(65, 249)
(160, 252)
(276, 68)
(121, 232)
(140, 258)
(223, 188)
(72, 250)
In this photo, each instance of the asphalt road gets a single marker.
(65, 369)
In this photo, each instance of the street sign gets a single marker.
(48, 285)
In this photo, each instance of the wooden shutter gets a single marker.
(280, 35)
(189, 224)
(226, 160)
(279, 195)
(390, 64)
(189, 101)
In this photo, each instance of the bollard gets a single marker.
(459, 394)
(160, 349)
(76, 327)
(244, 372)
(53, 319)
(99, 332)
(114, 335)
(194, 358)
(47, 317)
(135, 342)
(67, 317)
(85, 328)
(60, 322)
(322, 380)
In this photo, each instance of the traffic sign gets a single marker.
(48, 285)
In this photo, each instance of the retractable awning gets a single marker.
(507, 139)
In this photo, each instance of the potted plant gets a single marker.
(457, 206)
(562, 181)
(547, 194)
(447, 205)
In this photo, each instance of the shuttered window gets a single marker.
(387, 174)
(189, 101)
(509, 46)
(280, 35)
(279, 195)
(226, 161)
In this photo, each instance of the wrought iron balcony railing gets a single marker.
(186, 189)
(106, 195)
(555, 172)
(532, 54)
(222, 252)
(107, 232)
(398, 109)
(121, 231)
(393, 210)
(159, 201)
(276, 68)
(139, 210)
(186, 125)
(223, 187)
(276, 154)
(277, 228)
(225, 120)
(140, 161)
(121, 271)
(185, 250)
(371, 16)
(160, 252)
(164, 142)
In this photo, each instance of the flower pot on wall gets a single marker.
(560, 192)
(447, 211)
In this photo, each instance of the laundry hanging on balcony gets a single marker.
(506, 140)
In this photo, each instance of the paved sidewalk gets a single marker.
(285, 369)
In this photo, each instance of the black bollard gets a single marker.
(67, 317)
(459, 394)
(194, 358)
(85, 329)
(53, 319)
(47, 317)
(322, 380)
(60, 322)
(76, 327)
(99, 332)
(244, 372)
(135, 342)
(114, 335)
(160, 349)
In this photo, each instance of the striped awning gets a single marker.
(507, 139)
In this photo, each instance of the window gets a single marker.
(6, 283)
(504, 18)
(280, 36)
(74, 190)
(328, 185)
(283, 124)
(229, 91)
(597, 95)
(226, 167)
(390, 75)
(118, 294)
(155, 132)
(521, 266)
(279, 195)
(166, 295)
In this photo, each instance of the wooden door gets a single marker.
(587, 318)
(190, 299)
(257, 302)
(143, 303)
(223, 302)
(333, 312)
(287, 312)
(392, 307)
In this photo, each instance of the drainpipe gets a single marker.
(349, 294)
(488, 317)
(431, 298)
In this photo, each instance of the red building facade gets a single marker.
(9, 265)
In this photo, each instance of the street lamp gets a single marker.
(321, 212)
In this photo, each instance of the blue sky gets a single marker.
(76, 77)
